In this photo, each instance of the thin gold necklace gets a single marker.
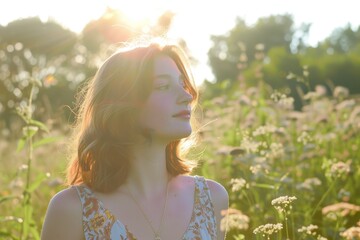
(156, 233)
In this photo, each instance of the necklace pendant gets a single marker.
(157, 237)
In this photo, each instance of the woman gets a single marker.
(128, 179)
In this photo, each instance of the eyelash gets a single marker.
(162, 87)
(167, 86)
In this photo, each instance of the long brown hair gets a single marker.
(108, 107)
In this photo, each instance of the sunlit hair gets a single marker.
(106, 124)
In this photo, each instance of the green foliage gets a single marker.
(273, 31)
(281, 64)
(25, 225)
(261, 149)
(254, 141)
(48, 38)
(235, 57)
(338, 70)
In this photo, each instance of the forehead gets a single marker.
(165, 64)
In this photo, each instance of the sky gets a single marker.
(195, 20)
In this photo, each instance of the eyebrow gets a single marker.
(163, 76)
(168, 76)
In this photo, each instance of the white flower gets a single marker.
(268, 228)
(351, 233)
(304, 138)
(263, 130)
(237, 184)
(234, 219)
(310, 230)
(340, 92)
(340, 168)
(283, 203)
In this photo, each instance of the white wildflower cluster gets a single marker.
(311, 96)
(355, 114)
(304, 138)
(283, 203)
(340, 169)
(282, 100)
(263, 130)
(351, 233)
(345, 105)
(342, 209)
(276, 150)
(320, 91)
(336, 169)
(237, 184)
(309, 184)
(268, 229)
(340, 92)
(287, 103)
(255, 169)
(259, 168)
(309, 230)
(249, 144)
(234, 219)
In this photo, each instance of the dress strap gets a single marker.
(98, 222)
(205, 202)
(89, 202)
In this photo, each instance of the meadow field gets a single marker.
(290, 174)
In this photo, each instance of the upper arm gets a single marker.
(220, 200)
(63, 218)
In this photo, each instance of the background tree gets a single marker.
(273, 31)
(272, 50)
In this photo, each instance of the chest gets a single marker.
(188, 215)
(146, 217)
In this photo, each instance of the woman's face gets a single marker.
(166, 112)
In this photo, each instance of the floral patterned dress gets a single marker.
(100, 223)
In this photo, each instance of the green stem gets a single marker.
(26, 193)
(247, 198)
(286, 226)
(30, 157)
(323, 198)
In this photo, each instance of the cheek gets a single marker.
(155, 111)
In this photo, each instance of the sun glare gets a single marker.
(140, 11)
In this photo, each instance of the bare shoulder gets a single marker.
(218, 192)
(63, 218)
(216, 189)
(65, 200)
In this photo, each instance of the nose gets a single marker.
(184, 97)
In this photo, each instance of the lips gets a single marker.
(183, 114)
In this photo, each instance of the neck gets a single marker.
(148, 175)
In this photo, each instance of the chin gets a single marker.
(185, 135)
(179, 135)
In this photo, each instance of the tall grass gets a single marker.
(290, 174)
(267, 154)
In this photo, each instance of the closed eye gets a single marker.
(162, 87)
